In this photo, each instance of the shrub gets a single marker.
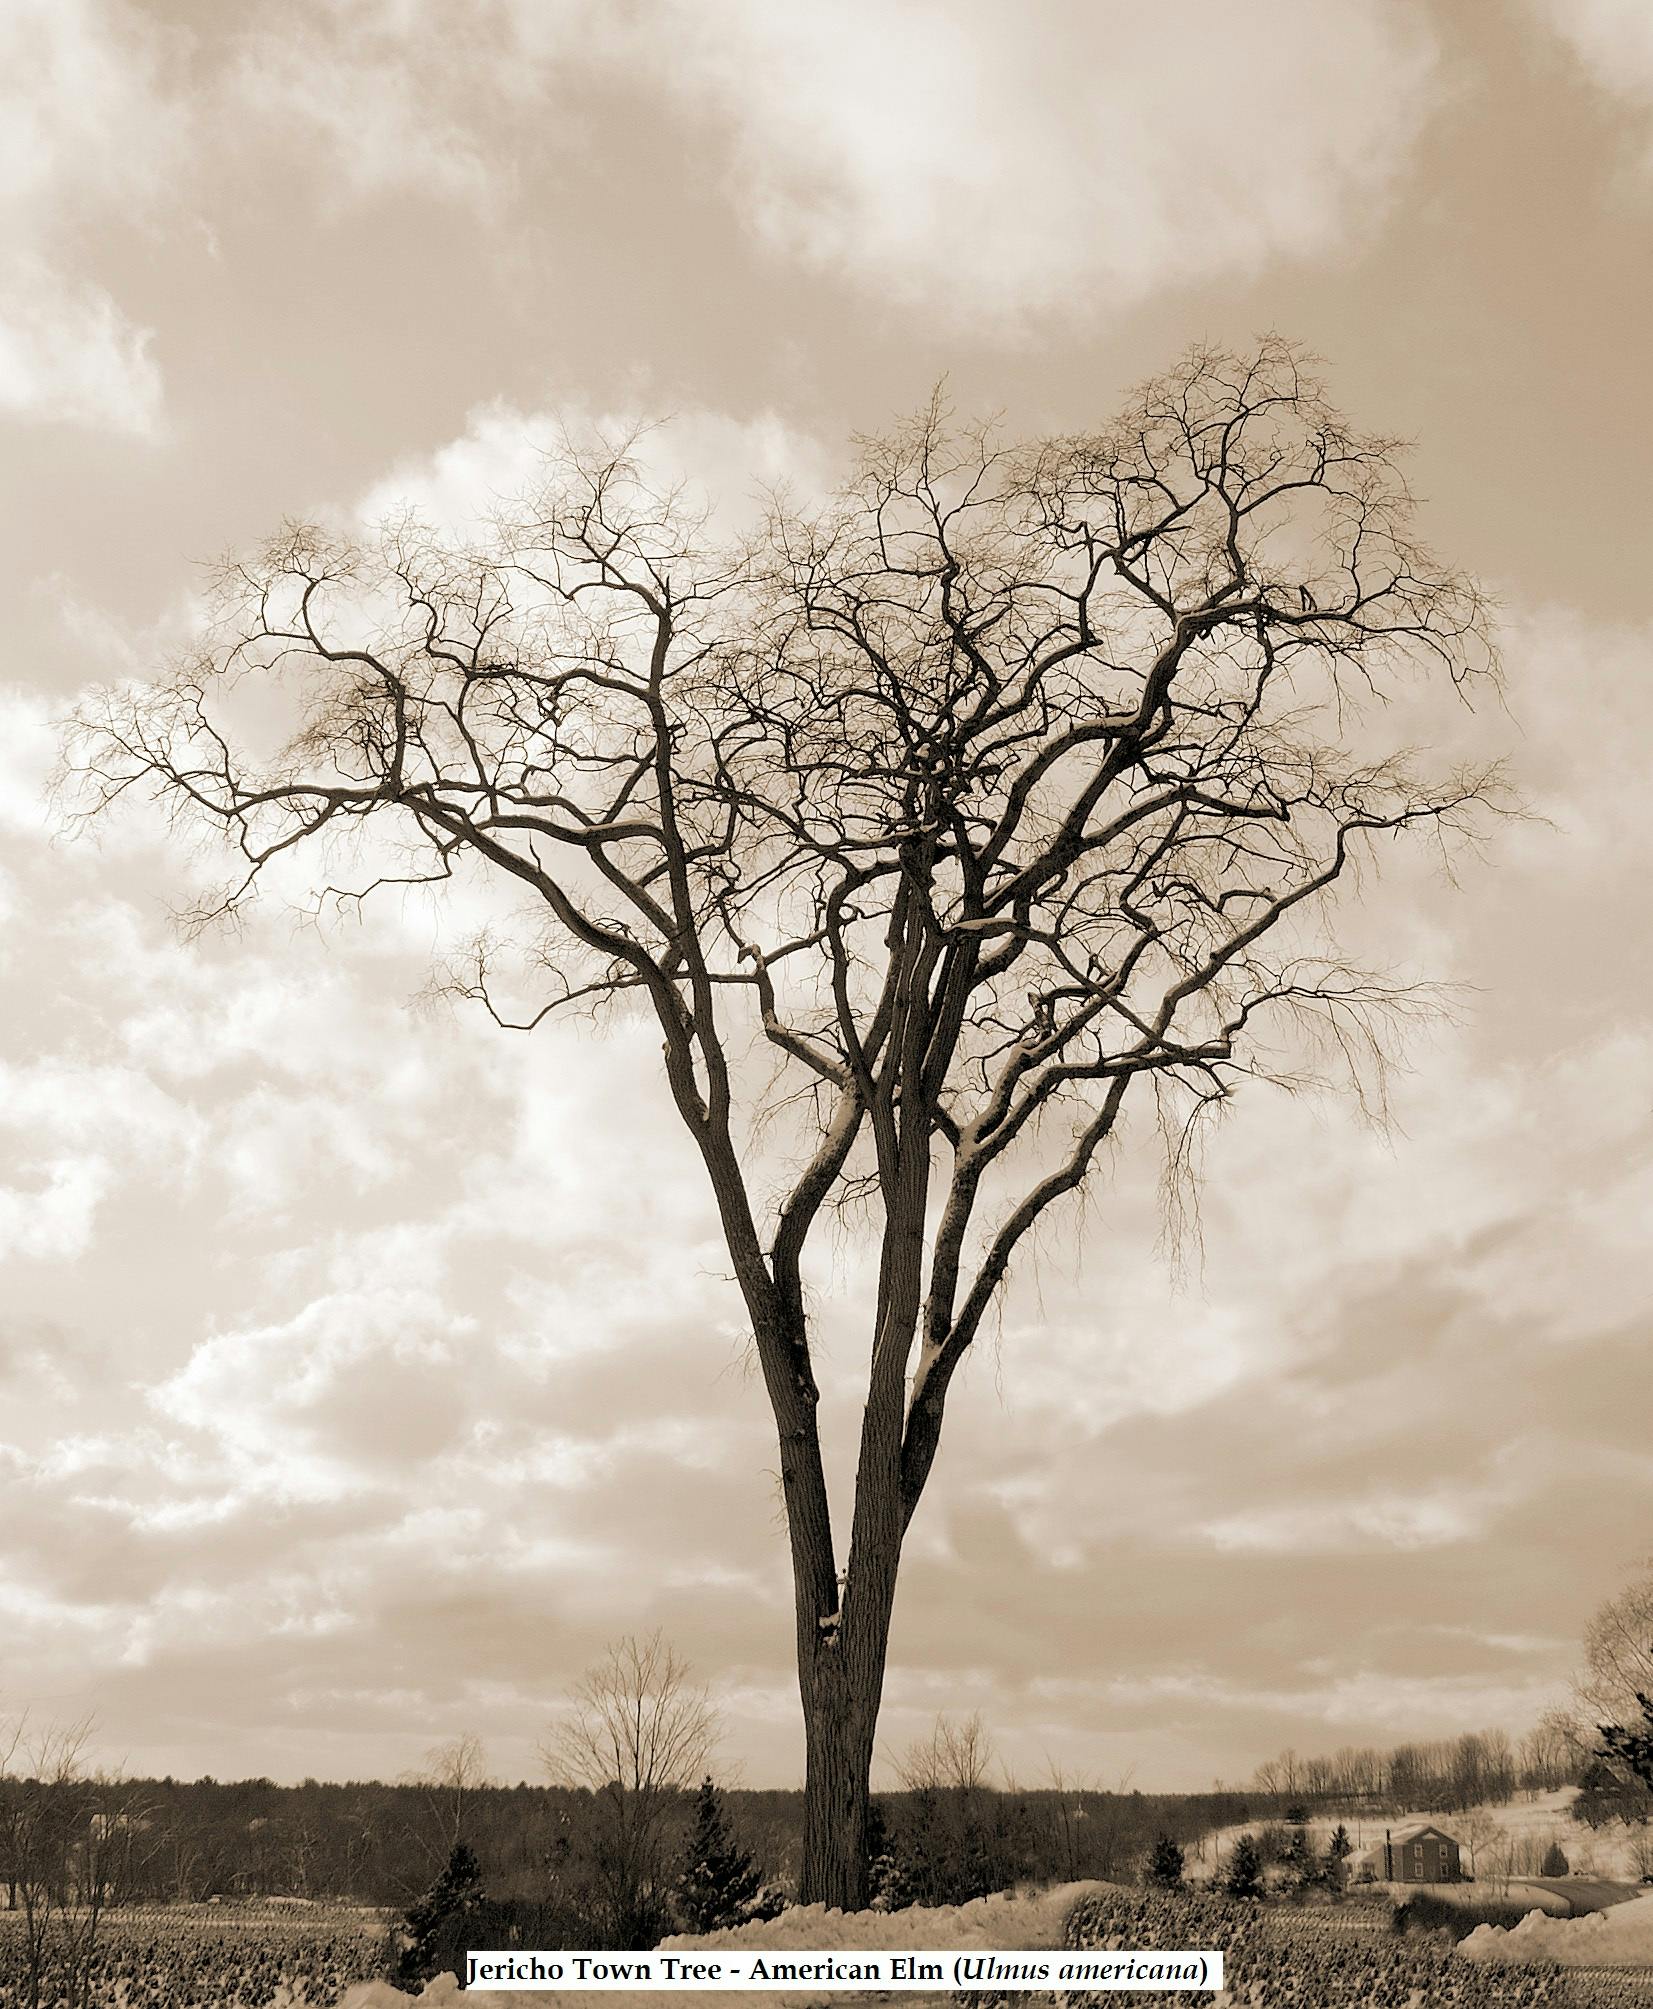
(1555, 1861)
(1425, 1912)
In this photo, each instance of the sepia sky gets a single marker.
(364, 1370)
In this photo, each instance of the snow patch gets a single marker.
(1033, 1919)
(1620, 1936)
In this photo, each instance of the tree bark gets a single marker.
(840, 1718)
(841, 1670)
(841, 1682)
(841, 1652)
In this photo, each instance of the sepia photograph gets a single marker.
(826, 1078)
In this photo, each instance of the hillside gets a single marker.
(1500, 1839)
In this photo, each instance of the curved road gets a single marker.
(1584, 1893)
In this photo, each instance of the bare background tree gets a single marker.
(1553, 1752)
(1068, 1812)
(1618, 1656)
(68, 1835)
(955, 1757)
(999, 793)
(451, 1776)
(638, 1735)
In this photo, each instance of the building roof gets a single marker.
(1416, 1832)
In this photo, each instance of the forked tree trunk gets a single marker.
(843, 1624)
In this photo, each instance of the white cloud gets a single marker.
(366, 86)
(1421, 1519)
(68, 354)
(1613, 40)
(1018, 160)
(312, 1407)
(977, 160)
(27, 753)
(82, 111)
(725, 461)
(84, 125)
(50, 1212)
(71, 1125)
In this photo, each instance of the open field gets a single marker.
(1331, 1957)
(216, 1956)
(275, 1955)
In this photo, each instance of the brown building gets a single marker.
(1421, 1854)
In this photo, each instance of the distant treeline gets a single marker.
(1441, 1776)
(158, 1840)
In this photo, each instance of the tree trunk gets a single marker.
(843, 1623)
(841, 1671)
(840, 1718)
(842, 1684)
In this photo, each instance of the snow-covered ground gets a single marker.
(1031, 1919)
(1525, 1827)
(1621, 1936)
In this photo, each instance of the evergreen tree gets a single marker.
(1244, 1875)
(1298, 1858)
(1165, 1864)
(1338, 1851)
(719, 1884)
(1632, 1749)
(1602, 1795)
(432, 1923)
(1555, 1861)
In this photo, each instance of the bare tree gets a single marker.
(1554, 1751)
(66, 1834)
(1618, 1655)
(1282, 1776)
(1489, 1844)
(998, 795)
(638, 1736)
(1091, 1825)
(955, 1757)
(451, 1777)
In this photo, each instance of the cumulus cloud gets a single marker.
(375, 94)
(1011, 162)
(84, 109)
(72, 1125)
(28, 750)
(68, 353)
(1613, 42)
(351, 1385)
(723, 461)
(85, 124)
(981, 163)
(1415, 1519)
